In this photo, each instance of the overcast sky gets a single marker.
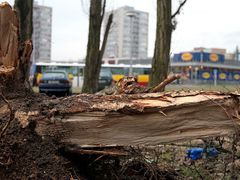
(208, 23)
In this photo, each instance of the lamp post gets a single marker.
(131, 15)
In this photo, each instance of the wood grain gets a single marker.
(147, 119)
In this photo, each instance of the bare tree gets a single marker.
(94, 52)
(165, 26)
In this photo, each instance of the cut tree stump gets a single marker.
(143, 119)
(14, 57)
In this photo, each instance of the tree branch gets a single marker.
(103, 9)
(179, 9)
(110, 18)
(167, 81)
(110, 152)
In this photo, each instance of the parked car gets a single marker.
(105, 79)
(56, 81)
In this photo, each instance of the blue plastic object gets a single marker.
(212, 152)
(195, 153)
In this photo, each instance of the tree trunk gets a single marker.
(14, 60)
(161, 56)
(25, 10)
(93, 63)
(105, 37)
(142, 119)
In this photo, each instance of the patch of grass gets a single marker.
(222, 88)
(75, 90)
(196, 171)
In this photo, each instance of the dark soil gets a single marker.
(24, 154)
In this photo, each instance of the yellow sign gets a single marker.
(143, 78)
(213, 57)
(187, 56)
(222, 76)
(117, 77)
(206, 75)
(236, 76)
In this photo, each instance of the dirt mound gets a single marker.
(24, 154)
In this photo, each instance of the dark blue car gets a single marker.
(105, 79)
(53, 82)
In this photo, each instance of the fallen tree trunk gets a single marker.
(143, 119)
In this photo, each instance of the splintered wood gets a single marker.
(147, 119)
(8, 37)
(14, 56)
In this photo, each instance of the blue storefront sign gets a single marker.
(198, 56)
(205, 75)
(187, 57)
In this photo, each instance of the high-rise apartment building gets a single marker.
(128, 36)
(42, 33)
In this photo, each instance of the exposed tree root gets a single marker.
(11, 118)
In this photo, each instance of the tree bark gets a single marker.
(14, 57)
(105, 37)
(24, 10)
(161, 58)
(93, 60)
